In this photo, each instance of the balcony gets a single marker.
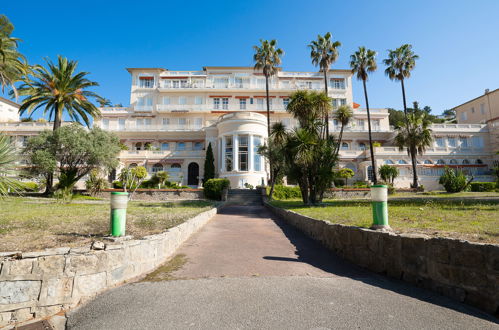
(114, 109)
(181, 107)
(153, 154)
(156, 128)
(143, 108)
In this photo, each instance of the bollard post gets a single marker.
(119, 201)
(379, 197)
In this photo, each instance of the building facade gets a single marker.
(174, 115)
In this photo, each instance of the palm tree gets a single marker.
(60, 89)
(7, 167)
(324, 53)
(343, 115)
(362, 63)
(13, 66)
(415, 135)
(399, 65)
(267, 58)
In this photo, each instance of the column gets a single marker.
(250, 153)
(235, 151)
(222, 153)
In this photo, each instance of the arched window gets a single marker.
(132, 165)
(427, 161)
(344, 146)
(157, 168)
(389, 162)
(180, 145)
(402, 162)
(453, 162)
(165, 146)
(138, 146)
(176, 165)
(466, 162)
(362, 146)
(478, 162)
(441, 162)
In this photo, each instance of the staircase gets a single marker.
(244, 197)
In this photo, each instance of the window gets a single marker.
(238, 82)
(482, 108)
(175, 166)
(478, 162)
(139, 122)
(25, 140)
(181, 146)
(216, 103)
(477, 142)
(228, 153)
(428, 162)
(198, 122)
(147, 146)
(260, 83)
(243, 152)
(144, 101)
(360, 123)
(198, 100)
(165, 146)
(182, 100)
(198, 146)
(157, 168)
(105, 123)
(453, 162)
(166, 122)
(183, 84)
(389, 162)
(132, 165)
(375, 124)
(334, 103)
(463, 142)
(308, 84)
(402, 162)
(472, 109)
(257, 141)
(466, 162)
(225, 103)
(362, 146)
(338, 83)
(440, 142)
(166, 100)
(182, 122)
(440, 162)
(285, 102)
(451, 142)
(146, 82)
(121, 123)
(343, 101)
(344, 146)
(259, 103)
(464, 116)
(242, 104)
(370, 173)
(138, 146)
(221, 82)
(175, 84)
(270, 104)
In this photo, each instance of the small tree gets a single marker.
(131, 178)
(209, 164)
(345, 173)
(161, 177)
(454, 180)
(388, 173)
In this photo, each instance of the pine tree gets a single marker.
(209, 164)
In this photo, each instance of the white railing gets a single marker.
(453, 127)
(156, 128)
(114, 109)
(436, 150)
(160, 153)
(143, 108)
(181, 107)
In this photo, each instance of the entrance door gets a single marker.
(193, 174)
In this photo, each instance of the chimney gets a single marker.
(487, 91)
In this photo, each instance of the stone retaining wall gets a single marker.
(468, 272)
(160, 194)
(41, 284)
(347, 193)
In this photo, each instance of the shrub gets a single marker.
(286, 192)
(95, 183)
(360, 184)
(213, 188)
(31, 186)
(483, 186)
(453, 180)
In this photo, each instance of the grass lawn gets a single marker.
(29, 224)
(470, 219)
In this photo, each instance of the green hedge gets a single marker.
(213, 188)
(285, 192)
(483, 186)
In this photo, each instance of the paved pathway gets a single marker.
(246, 270)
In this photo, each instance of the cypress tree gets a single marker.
(209, 165)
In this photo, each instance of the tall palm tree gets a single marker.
(324, 53)
(415, 135)
(362, 63)
(267, 58)
(343, 115)
(60, 89)
(13, 66)
(7, 167)
(399, 65)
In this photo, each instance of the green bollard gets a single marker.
(119, 201)
(379, 197)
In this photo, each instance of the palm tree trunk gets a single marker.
(268, 125)
(373, 161)
(414, 169)
(411, 151)
(327, 113)
(403, 97)
(58, 118)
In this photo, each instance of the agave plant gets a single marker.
(8, 158)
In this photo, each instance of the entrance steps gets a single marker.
(244, 197)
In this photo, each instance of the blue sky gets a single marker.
(456, 40)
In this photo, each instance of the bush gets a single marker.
(213, 188)
(95, 183)
(30, 186)
(286, 192)
(453, 180)
(483, 186)
(360, 184)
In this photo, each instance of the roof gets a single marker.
(157, 69)
(227, 68)
(207, 68)
(12, 103)
(476, 98)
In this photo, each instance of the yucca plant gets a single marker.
(8, 157)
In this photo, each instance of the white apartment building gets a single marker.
(174, 115)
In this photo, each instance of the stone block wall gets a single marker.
(41, 284)
(468, 272)
(160, 194)
(347, 193)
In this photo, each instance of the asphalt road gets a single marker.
(246, 270)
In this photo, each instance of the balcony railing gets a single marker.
(160, 153)
(156, 128)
